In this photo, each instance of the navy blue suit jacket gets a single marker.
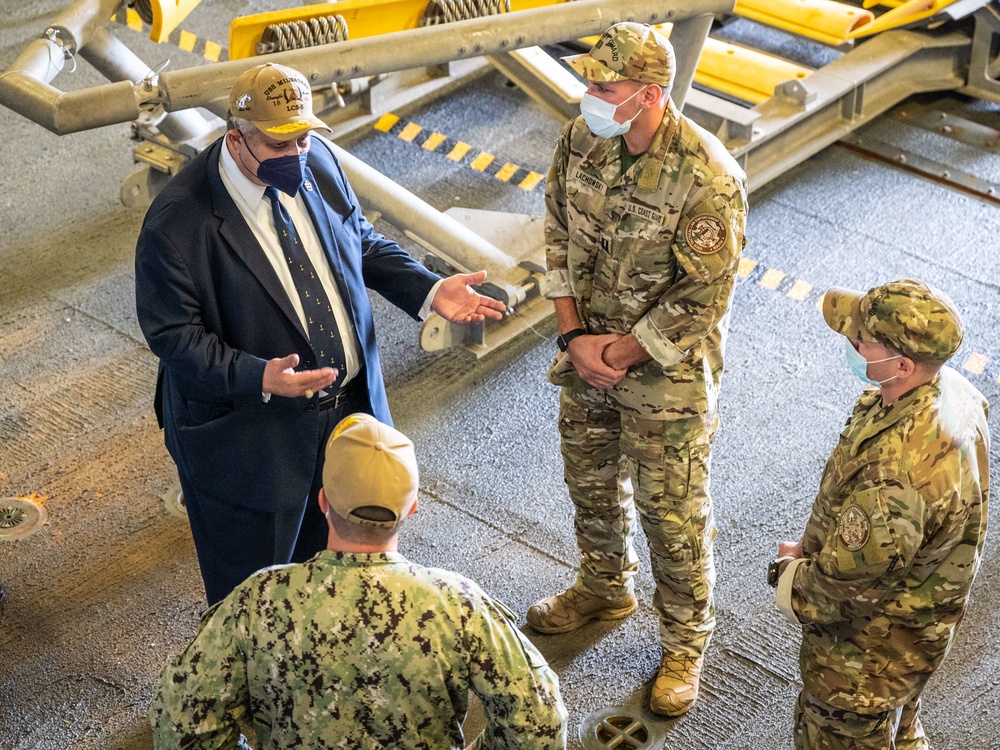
(213, 310)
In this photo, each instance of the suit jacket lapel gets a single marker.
(331, 234)
(235, 231)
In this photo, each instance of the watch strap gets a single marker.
(563, 339)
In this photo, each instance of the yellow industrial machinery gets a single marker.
(164, 15)
(276, 31)
(770, 113)
(901, 14)
(823, 20)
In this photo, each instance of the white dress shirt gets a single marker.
(256, 211)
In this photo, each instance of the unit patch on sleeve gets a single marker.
(853, 527)
(706, 234)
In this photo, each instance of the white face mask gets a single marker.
(859, 365)
(600, 115)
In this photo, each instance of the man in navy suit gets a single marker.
(253, 375)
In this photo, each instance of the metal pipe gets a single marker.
(688, 38)
(455, 243)
(209, 86)
(116, 62)
(24, 86)
(81, 19)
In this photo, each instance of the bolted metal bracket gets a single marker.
(620, 727)
(797, 91)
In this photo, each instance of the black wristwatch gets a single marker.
(563, 339)
(774, 570)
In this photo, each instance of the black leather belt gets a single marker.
(335, 400)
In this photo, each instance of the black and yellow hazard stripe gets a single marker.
(459, 152)
(776, 280)
(185, 40)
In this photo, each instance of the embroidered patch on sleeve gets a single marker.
(706, 234)
(853, 528)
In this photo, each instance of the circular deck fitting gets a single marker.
(20, 517)
(173, 501)
(620, 727)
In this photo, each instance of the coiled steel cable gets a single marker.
(145, 10)
(447, 11)
(279, 37)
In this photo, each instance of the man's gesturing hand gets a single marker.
(281, 379)
(458, 302)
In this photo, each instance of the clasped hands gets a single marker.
(593, 356)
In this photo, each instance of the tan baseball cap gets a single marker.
(908, 316)
(277, 100)
(628, 51)
(369, 464)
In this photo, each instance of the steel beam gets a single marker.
(25, 88)
(807, 115)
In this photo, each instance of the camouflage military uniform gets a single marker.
(357, 651)
(890, 551)
(652, 251)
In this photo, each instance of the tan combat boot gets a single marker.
(676, 687)
(574, 608)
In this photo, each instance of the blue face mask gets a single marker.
(286, 173)
(600, 115)
(859, 365)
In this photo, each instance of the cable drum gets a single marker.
(447, 11)
(280, 37)
(145, 10)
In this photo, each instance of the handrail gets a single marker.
(25, 87)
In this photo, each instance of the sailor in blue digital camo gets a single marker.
(880, 580)
(359, 649)
(645, 220)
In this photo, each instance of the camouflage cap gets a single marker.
(628, 51)
(276, 99)
(369, 464)
(907, 316)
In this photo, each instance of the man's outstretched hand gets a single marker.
(458, 302)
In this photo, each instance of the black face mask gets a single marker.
(286, 173)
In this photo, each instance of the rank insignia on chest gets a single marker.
(706, 234)
(853, 528)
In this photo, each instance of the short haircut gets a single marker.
(359, 533)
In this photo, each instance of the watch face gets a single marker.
(773, 569)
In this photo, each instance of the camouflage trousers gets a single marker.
(820, 726)
(617, 463)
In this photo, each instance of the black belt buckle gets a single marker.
(333, 401)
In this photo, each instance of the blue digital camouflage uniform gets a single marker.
(362, 652)
(654, 252)
(890, 551)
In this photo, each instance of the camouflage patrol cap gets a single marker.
(369, 464)
(907, 316)
(628, 51)
(276, 99)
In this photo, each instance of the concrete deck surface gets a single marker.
(109, 590)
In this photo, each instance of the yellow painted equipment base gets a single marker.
(823, 20)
